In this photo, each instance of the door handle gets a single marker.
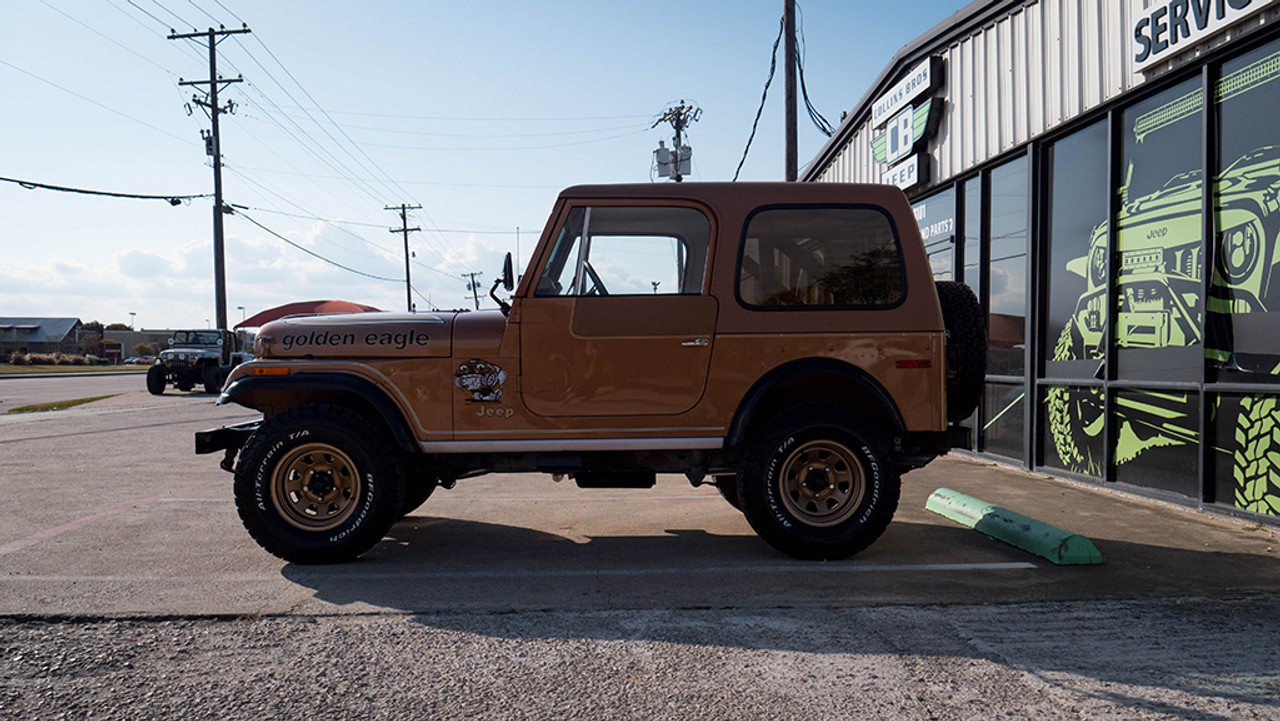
(696, 343)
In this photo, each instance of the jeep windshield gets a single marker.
(195, 337)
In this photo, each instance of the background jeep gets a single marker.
(783, 341)
(194, 357)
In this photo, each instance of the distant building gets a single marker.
(39, 335)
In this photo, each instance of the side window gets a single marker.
(820, 256)
(628, 251)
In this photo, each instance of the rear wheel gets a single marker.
(816, 483)
(155, 380)
(728, 487)
(318, 484)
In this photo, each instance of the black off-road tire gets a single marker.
(1075, 417)
(966, 348)
(212, 379)
(816, 482)
(319, 484)
(728, 487)
(156, 380)
(1257, 479)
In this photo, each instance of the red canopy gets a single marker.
(306, 307)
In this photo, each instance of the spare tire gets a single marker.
(966, 348)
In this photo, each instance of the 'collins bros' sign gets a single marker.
(909, 115)
(1165, 28)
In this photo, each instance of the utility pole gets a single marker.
(213, 147)
(789, 32)
(474, 287)
(680, 117)
(404, 228)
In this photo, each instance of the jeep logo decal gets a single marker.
(482, 379)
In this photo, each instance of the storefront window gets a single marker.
(971, 274)
(1003, 429)
(1007, 270)
(1073, 423)
(1074, 339)
(1244, 295)
(1157, 440)
(1247, 431)
(1158, 240)
(937, 218)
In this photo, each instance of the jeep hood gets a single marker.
(359, 335)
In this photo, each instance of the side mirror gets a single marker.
(506, 281)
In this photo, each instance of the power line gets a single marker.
(106, 37)
(314, 254)
(487, 119)
(171, 199)
(95, 102)
(336, 221)
(820, 122)
(448, 183)
(330, 119)
(428, 133)
(509, 147)
(180, 20)
(773, 67)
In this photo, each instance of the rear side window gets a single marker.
(841, 257)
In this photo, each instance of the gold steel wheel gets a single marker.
(822, 483)
(315, 487)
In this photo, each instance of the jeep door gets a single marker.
(619, 321)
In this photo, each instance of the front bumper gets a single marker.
(227, 438)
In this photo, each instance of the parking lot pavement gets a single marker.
(112, 514)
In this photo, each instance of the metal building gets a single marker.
(1056, 153)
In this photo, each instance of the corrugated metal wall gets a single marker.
(1025, 74)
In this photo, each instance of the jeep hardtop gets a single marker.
(784, 341)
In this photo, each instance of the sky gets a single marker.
(480, 113)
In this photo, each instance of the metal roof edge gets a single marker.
(962, 22)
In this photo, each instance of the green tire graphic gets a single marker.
(1075, 418)
(1257, 457)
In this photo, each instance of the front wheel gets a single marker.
(212, 378)
(318, 484)
(155, 380)
(816, 483)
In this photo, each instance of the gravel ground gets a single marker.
(1162, 659)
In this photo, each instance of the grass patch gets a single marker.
(59, 405)
(36, 370)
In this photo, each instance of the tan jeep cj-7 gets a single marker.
(785, 342)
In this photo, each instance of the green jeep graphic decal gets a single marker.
(1158, 275)
(1158, 280)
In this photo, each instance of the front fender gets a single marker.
(273, 394)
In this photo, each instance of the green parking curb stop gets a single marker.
(1062, 547)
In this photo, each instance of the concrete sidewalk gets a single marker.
(1150, 548)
